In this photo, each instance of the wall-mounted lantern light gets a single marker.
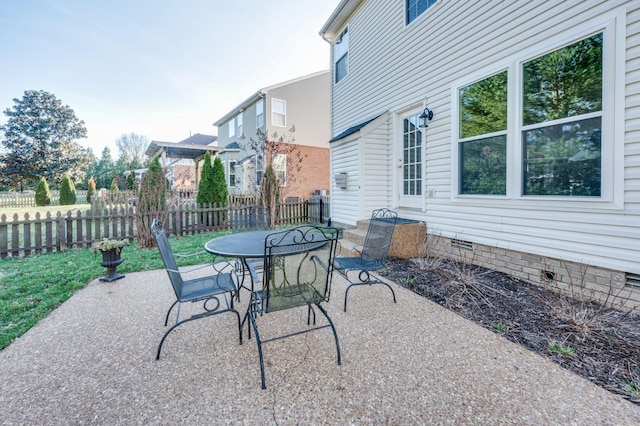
(424, 118)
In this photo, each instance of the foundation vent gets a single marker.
(633, 280)
(461, 244)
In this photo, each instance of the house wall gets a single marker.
(308, 109)
(393, 66)
(346, 158)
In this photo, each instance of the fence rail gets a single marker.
(59, 231)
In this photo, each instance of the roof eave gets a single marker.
(338, 18)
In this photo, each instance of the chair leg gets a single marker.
(335, 334)
(368, 282)
(259, 342)
(195, 317)
(166, 320)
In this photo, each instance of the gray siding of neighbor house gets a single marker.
(308, 109)
(393, 66)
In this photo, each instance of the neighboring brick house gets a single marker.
(286, 125)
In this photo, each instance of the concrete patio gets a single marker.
(92, 362)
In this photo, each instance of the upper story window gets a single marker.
(341, 55)
(557, 132)
(278, 112)
(232, 127)
(260, 113)
(239, 124)
(416, 7)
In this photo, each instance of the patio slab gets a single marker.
(92, 361)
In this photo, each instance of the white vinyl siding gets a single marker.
(345, 158)
(390, 56)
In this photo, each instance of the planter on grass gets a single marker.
(111, 251)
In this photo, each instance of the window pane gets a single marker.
(341, 67)
(483, 106)
(564, 159)
(483, 165)
(564, 83)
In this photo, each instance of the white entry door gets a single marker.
(410, 162)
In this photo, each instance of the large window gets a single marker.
(416, 7)
(279, 164)
(483, 136)
(260, 113)
(341, 55)
(558, 126)
(278, 112)
(562, 121)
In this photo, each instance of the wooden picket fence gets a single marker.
(55, 232)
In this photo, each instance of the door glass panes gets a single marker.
(411, 157)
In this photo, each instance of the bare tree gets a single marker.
(132, 147)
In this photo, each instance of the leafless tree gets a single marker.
(132, 147)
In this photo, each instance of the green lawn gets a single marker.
(31, 287)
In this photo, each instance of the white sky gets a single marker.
(164, 69)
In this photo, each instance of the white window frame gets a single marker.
(415, 3)
(613, 27)
(239, 125)
(340, 53)
(278, 112)
(232, 127)
(231, 173)
(279, 164)
(260, 113)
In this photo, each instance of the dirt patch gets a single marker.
(598, 343)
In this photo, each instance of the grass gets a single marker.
(500, 326)
(562, 349)
(33, 286)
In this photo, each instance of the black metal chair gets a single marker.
(244, 219)
(297, 273)
(373, 254)
(208, 289)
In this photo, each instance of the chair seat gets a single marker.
(355, 263)
(205, 287)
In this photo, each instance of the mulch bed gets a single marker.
(595, 342)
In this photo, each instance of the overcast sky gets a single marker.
(162, 68)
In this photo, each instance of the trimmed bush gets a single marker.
(91, 189)
(205, 187)
(67, 192)
(43, 195)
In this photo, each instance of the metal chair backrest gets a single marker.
(298, 267)
(169, 261)
(378, 239)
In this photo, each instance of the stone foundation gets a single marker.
(580, 280)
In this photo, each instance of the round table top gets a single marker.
(243, 244)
